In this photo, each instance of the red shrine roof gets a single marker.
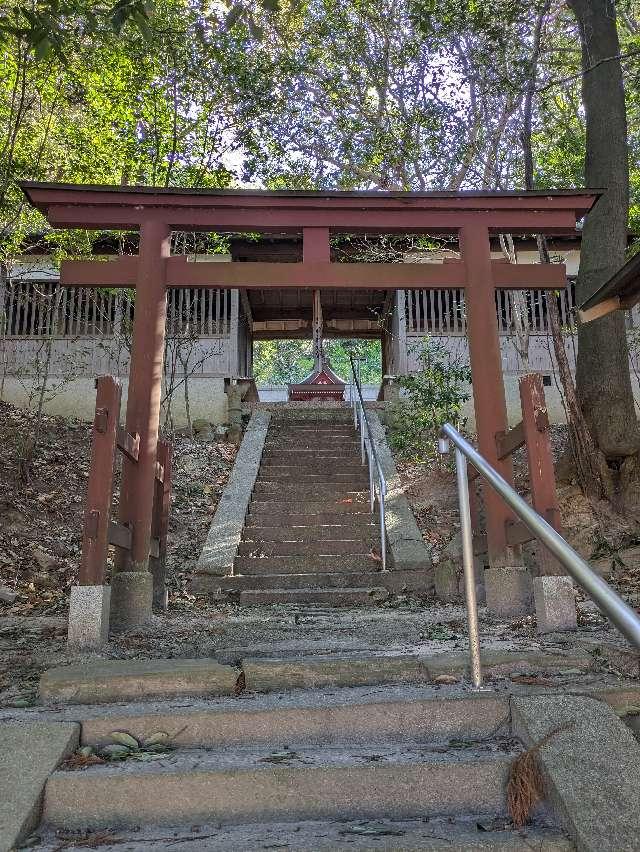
(320, 383)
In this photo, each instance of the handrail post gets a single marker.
(383, 531)
(606, 599)
(372, 493)
(469, 572)
(368, 454)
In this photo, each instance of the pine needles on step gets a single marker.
(525, 787)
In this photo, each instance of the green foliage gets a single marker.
(434, 395)
(50, 27)
(282, 362)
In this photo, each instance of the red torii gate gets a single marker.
(156, 212)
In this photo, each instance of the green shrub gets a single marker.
(432, 396)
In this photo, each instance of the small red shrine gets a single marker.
(319, 384)
(322, 382)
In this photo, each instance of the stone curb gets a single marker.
(30, 753)
(225, 533)
(407, 548)
(591, 766)
(107, 681)
(265, 674)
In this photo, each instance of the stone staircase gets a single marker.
(309, 535)
(393, 767)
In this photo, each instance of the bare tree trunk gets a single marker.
(602, 377)
(519, 306)
(4, 325)
(591, 468)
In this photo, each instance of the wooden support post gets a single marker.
(131, 595)
(97, 512)
(544, 498)
(486, 371)
(160, 526)
(316, 249)
(317, 332)
(234, 333)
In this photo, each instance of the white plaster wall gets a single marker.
(551, 394)
(207, 399)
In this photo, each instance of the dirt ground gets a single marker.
(41, 517)
(607, 540)
(40, 536)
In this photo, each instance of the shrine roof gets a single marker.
(620, 292)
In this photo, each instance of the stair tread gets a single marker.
(336, 560)
(436, 835)
(264, 756)
(338, 580)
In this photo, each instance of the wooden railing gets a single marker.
(532, 432)
(99, 530)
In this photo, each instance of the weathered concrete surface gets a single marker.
(406, 546)
(509, 591)
(225, 532)
(264, 674)
(437, 834)
(316, 718)
(131, 600)
(259, 784)
(555, 603)
(272, 675)
(104, 681)
(498, 663)
(362, 597)
(89, 616)
(29, 753)
(591, 765)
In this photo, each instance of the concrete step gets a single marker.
(307, 580)
(321, 420)
(301, 549)
(305, 564)
(271, 518)
(393, 581)
(306, 492)
(356, 714)
(297, 456)
(347, 532)
(262, 784)
(279, 472)
(348, 596)
(328, 466)
(307, 442)
(436, 834)
(344, 427)
(346, 432)
(344, 506)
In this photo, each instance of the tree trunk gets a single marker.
(602, 378)
(590, 464)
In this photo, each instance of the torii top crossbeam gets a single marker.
(156, 212)
(73, 206)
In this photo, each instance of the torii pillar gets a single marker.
(132, 584)
(489, 400)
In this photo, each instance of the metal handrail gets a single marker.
(368, 453)
(607, 600)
